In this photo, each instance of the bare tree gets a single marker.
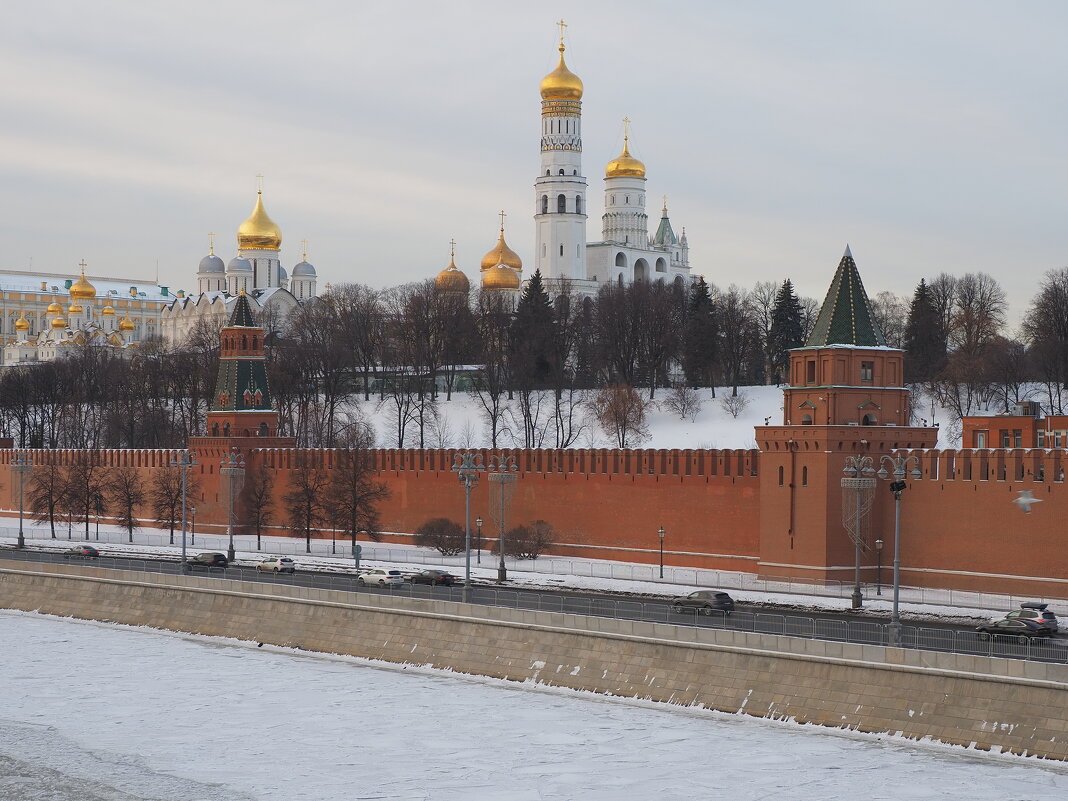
(529, 541)
(353, 494)
(305, 500)
(46, 491)
(85, 482)
(683, 401)
(125, 492)
(621, 413)
(257, 499)
(447, 537)
(165, 495)
(891, 314)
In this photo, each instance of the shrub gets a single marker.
(442, 534)
(530, 541)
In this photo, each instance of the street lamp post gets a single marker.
(878, 567)
(21, 466)
(467, 467)
(193, 525)
(478, 522)
(858, 471)
(503, 474)
(897, 486)
(232, 466)
(185, 460)
(661, 533)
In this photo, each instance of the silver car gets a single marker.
(381, 577)
(278, 564)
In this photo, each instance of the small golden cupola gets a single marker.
(82, 289)
(22, 324)
(259, 232)
(500, 277)
(126, 324)
(561, 83)
(54, 307)
(501, 254)
(108, 311)
(451, 279)
(625, 165)
(58, 323)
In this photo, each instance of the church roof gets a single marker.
(846, 317)
(664, 235)
(242, 314)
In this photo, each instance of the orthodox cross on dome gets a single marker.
(452, 249)
(502, 215)
(561, 24)
(665, 204)
(304, 249)
(626, 129)
(83, 265)
(259, 183)
(211, 243)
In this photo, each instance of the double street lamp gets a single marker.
(233, 467)
(185, 460)
(897, 486)
(21, 466)
(661, 533)
(467, 467)
(503, 474)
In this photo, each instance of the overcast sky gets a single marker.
(930, 136)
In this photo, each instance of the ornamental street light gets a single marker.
(193, 525)
(878, 567)
(503, 475)
(21, 467)
(185, 460)
(897, 486)
(467, 467)
(478, 522)
(233, 467)
(661, 533)
(858, 471)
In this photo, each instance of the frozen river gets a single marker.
(94, 712)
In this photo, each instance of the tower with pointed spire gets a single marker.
(560, 189)
(846, 398)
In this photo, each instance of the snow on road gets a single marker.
(111, 713)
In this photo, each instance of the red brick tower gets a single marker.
(846, 397)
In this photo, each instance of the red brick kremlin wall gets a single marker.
(960, 528)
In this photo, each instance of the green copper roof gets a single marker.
(664, 235)
(846, 317)
(242, 314)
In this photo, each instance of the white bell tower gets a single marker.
(560, 189)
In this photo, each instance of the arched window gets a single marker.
(621, 260)
(544, 204)
(244, 342)
(806, 419)
(548, 172)
(561, 204)
(561, 172)
(561, 250)
(804, 476)
(869, 420)
(578, 204)
(263, 432)
(661, 265)
(226, 429)
(215, 429)
(574, 172)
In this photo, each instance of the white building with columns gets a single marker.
(626, 251)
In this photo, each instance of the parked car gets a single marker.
(86, 551)
(1020, 628)
(1037, 612)
(278, 564)
(381, 578)
(705, 601)
(209, 560)
(434, 577)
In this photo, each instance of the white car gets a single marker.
(381, 578)
(278, 564)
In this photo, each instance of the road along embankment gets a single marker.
(983, 702)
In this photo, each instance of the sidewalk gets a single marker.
(546, 572)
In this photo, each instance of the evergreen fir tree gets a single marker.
(925, 342)
(787, 331)
(699, 337)
(532, 334)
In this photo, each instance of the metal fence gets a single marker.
(853, 631)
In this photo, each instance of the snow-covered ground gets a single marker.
(99, 712)
(461, 423)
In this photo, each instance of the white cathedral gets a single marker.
(256, 271)
(626, 252)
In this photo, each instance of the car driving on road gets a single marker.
(277, 564)
(434, 577)
(209, 560)
(1038, 613)
(1021, 629)
(86, 551)
(706, 602)
(381, 577)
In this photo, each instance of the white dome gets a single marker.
(211, 264)
(303, 269)
(239, 265)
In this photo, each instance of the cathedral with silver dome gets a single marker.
(626, 251)
(256, 271)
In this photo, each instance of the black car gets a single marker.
(434, 577)
(1019, 628)
(86, 551)
(208, 560)
(1038, 613)
(706, 602)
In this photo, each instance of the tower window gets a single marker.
(548, 172)
(628, 199)
(561, 250)
(561, 204)
(544, 204)
(866, 370)
(574, 172)
(578, 204)
(613, 200)
(561, 172)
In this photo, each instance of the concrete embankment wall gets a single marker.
(989, 703)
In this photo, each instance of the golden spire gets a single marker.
(211, 243)
(625, 165)
(304, 250)
(502, 215)
(561, 83)
(665, 205)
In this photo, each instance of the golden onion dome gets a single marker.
(59, 322)
(452, 279)
(561, 83)
(259, 231)
(500, 277)
(22, 324)
(625, 165)
(126, 324)
(502, 254)
(108, 311)
(54, 307)
(75, 308)
(82, 289)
